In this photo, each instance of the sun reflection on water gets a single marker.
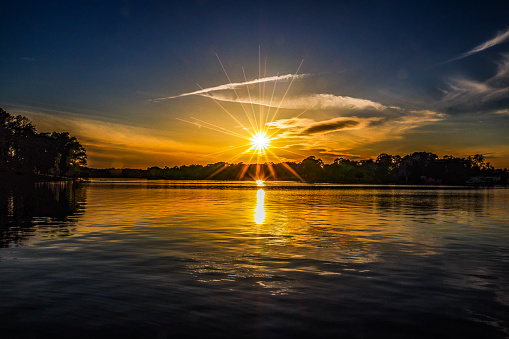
(259, 212)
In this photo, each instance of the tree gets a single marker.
(23, 150)
(311, 169)
(385, 164)
(478, 160)
(16, 137)
(70, 154)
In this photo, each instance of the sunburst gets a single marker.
(258, 122)
(260, 142)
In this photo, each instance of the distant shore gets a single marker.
(419, 168)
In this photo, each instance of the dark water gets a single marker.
(160, 259)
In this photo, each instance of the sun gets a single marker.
(260, 142)
(259, 126)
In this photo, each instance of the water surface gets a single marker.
(155, 259)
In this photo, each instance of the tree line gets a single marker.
(414, 168)
(26, 152)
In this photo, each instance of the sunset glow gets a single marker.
(254, 169)
(238, 92)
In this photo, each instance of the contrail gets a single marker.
(238, 84)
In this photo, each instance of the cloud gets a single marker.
(312, 130)
(330, 126)
(308, 102)
(395, 123)
(303, 102)
(114, 144)
(355, 132)
(417, 118)
(501, 37)
(502, 111)
(467, 94)
(232, 86)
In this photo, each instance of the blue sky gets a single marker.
(376, 76)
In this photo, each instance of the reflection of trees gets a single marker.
(45, 208)
(433, 202)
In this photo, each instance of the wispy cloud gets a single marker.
(115, 144)
(351, 133)
(308, 102)
(502, 111)
(231, 86)
(305, 127)
(330, 126)
(466, 93)
(321, 101)
(416, 119)
(501, 37)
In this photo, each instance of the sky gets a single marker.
(168, 83)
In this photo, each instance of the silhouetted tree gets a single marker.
(341, 170)
(385, 165)
(24, 151)
(311, 169)
(70, 154)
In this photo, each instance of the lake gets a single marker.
(160, 259)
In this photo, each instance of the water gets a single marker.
(161, 259)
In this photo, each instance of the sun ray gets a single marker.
(225, 166)
(246, 167)
(224, 109)
(269, 165)
(218, 129)
(261, 89)
(271, 169)
(286, 92)
(286, 150)
(243, 172)
(260, 122)
(250, 99)
(270, 103)
(260, 85)
(291, 170)
(234, 90)
(222, 129)
(219, 170)
(229, 149)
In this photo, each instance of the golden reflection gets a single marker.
(259, 215)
